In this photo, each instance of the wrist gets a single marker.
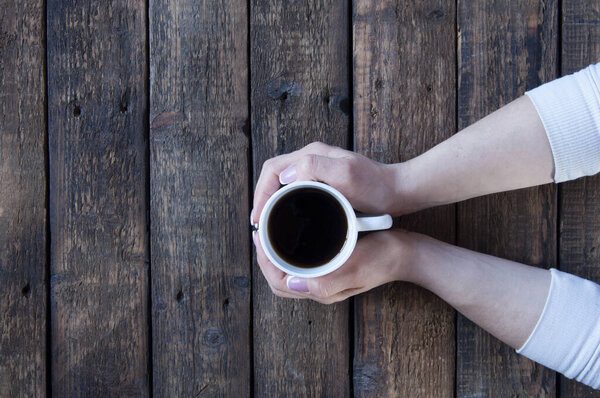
(405, 257)
(417, 266)
(401, 182)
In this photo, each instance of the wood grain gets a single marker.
(97, 121)
(23, 263)
(300, 93)
(199, 198)
(503, 50)
(579, 201)
(404, 103)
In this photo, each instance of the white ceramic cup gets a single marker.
(355, 225)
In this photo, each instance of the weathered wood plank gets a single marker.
(300, 93)
(504, 49)
(579, 201)
(23, 263)
(199, 198)
(97, 121)
(404, 97)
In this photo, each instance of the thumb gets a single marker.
(322, 287)
(313, 167)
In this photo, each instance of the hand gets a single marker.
(378, 258)
(369, 186)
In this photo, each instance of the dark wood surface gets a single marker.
(504, 51)
(199, 174)
(404, 82)
(300, 81)
(23, 212)
(579, 251)
(132, 134)
(97, 118)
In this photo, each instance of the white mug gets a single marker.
(355, 225)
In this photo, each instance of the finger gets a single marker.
(312, 167)
(274, 275)
(335, 171)
(331, 285)
(285, 294)
(328, 286)
(353, 277)
(268, 181)
(267, 184)
(343, 295)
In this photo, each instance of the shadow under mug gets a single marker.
(355, 225)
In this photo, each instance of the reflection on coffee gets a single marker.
(307, 227)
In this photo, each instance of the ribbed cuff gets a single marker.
(567, 335)
(569, 108)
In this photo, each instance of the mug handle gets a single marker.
(374, 223)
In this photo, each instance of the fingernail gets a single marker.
(252, 223)
(254, 237)
(288, 175)
(296, 284)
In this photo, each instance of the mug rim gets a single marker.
(337, 261)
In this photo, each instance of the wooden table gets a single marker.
(132, 132)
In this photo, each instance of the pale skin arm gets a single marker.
(506, 150)
(503, 297)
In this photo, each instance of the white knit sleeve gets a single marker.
(567, 335)
(570, 111)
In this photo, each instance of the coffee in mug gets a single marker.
(307, 227)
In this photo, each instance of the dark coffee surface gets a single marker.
(307, 227)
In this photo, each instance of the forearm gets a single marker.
(503, 297)
(506, 150)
